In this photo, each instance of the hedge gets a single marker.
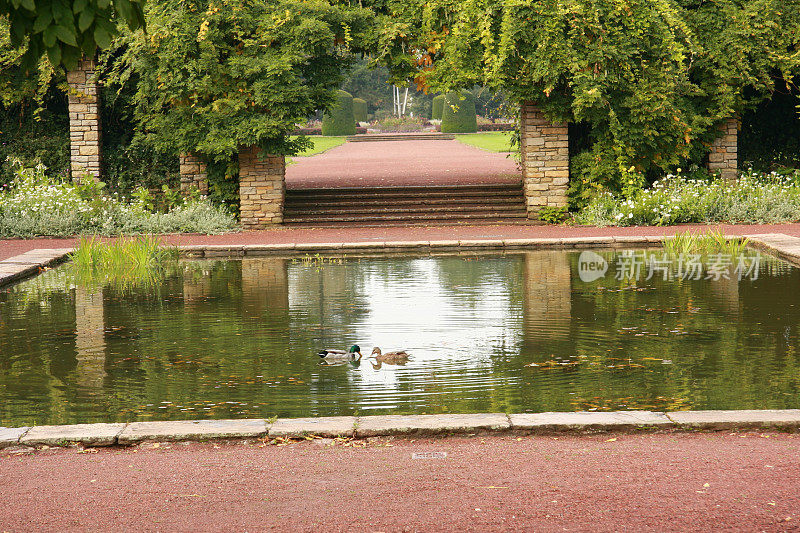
(360, 109)
(458, 113)
(437, 107)
(340, 120)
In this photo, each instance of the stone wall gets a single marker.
(193, 173)
(262, 188)
(545, 160)
(724, 150)
(84, 121)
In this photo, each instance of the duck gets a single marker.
(354, 354)
(399, 357)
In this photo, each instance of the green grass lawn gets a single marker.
(321, 144)
(492, 141)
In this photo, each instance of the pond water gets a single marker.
(491, 333)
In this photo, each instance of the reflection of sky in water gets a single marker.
(450, 329)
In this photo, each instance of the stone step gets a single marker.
(375, 217)
(496, 203)
(336, 210)
(404, 201)
(411, 190)
(499, 221)
(379, 137)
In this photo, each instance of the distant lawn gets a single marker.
(491, 141)
(321, 144)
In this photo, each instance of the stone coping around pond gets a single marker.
(389, 425)
(34, 261)
(784, 246)
(30, 263)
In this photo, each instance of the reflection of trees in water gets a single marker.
(326, 301)
(37, 350)
(238, 330)
(709, 333)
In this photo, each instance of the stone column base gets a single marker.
(545, 160)
(193, 173)
(724, 151)
(262, 188)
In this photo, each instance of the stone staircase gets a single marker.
(406, 206)
(379, 137)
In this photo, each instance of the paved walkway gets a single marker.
(281, 235)
(608, 482)
(397, 163)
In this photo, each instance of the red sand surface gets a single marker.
(609, 482)
(396, 163)
(12, 247)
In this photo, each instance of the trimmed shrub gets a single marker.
(340, 120)
(458, 113)
(437, 107)
(360, 109)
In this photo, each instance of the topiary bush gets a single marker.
(437, 107)
(458, 113)
(360, 109)
(340, 120)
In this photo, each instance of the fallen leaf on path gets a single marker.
(611, 440)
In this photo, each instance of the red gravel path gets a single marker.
(387, 163)
(659, 482)
(10, 248)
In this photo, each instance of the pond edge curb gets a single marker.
(30, 263)
(578, 423)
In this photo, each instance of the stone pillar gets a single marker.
(193, 173)
(262, 188)
(723, 157)
(545, 160)
(84, 121)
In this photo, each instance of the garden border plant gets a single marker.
(37, 204)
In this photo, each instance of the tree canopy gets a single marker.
(67, 29)
(651, 78)
(211, 76)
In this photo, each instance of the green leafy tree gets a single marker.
(371, 83)
(65, 30)
(437, 107)
(211, 77)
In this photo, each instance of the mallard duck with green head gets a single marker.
(354, 354)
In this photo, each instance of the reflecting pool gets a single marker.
(517, 332)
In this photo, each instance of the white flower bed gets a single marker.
(37, 205)
(754, 198)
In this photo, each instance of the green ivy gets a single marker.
(651, 78)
